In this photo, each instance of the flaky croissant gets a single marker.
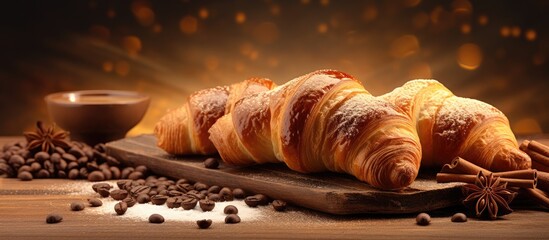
(322, 121)
(185, 129)
(450, 126)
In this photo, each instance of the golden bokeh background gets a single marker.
(495, 51)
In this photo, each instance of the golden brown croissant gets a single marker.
(185, 129)
(322, 121)
(450, 126)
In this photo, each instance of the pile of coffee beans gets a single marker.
(78, 161)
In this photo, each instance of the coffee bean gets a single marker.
(214, 197)
(16, 161)
(143, 198)
(134, 191)
(92, 166)
(173, 202)
(156, 218)
(61, 165)
(83, 172)
(77, 206)
(96, 186)
(107, 173)
(226, 194)
(115, 172)
(238, 193)
(112, 161)
(124, 184)
(174, 193)
(72, 165)
(69, 157)
(119, 194)
(230, 209)
(74, 173)
(104, 192)
(189, 203)
(198, 186)
(59, 150)
(54, 157)
(95, 202)
(126, 172)
(232, 219)
(135, 175)
(141, 168)
(24, 176)
(214, 189)
(53, 218)
(459, 217)
(130, 201)
(96, 176)
(43, 173)
(252, 201)
(206, 205)
(423, 219)
(100, 147)
(204, 223)
(24, 168)
(279, 205)
(35, 166)
(76, 152)
(83, 161)
(6, 169)
(120, 208)
(61, 174)
(211, 163)
(263, 199)
(42, 156)
(159, 199)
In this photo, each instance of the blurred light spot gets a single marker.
(334, 21)
(465, 28)
(254, 54)
(188, 24)
(132, 45)
(157, 28)
(411, 3)
(462, 7)
(515, 31)
(322, 28)
(275, 9)
(108, 66)
(530, 34)
(527, 126)
(404, 46)
(469, 56)
(266, 32)
(370, 13)
(305, 2)
(72, 97)
(122, 68)
(144, 15)
(273, 62)
(438, 15)
(246, 49)
(505, 31)
(420, 70)
(100, 32)
(203, 13)
(420, 20)
(211, 63)
(483, 20)
(324, 2)
(240, 17)
(538, 59)
(111, 13)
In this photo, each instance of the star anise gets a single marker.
(46, 139)
(488, 197)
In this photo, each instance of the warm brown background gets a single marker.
(495, 51)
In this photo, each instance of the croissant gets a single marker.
(185, 130)
(450, 126)
(322, 121)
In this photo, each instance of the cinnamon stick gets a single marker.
(462, 166)
(469, 178)
(543, 181)
(538, 195)
(539, 154)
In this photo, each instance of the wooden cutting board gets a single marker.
(326, 192)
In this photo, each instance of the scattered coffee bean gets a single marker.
(135, 175)
(423, 219)
(263, 199)
(94, 202)
(97, 186)
(459, 217)
(232, 218)
(118, 194)
(120, 208)
(198, 186)
(230, 209)
(189, 203)
(173, 202)
(214, 197)
(156, 218)
(214, 189)
(104, 192)
(73, 173)
(279, 205)
(252, 201)
(69, 157)
(53, 218)
(204, 223)
(143, 198)
(96, 176)
(77, 206)
(206, 205)
(159, 199)
(126, 172)
(142, 169)
(130, 201)
(137, 190)
(226, 194)
(211, 163)
(24, 176)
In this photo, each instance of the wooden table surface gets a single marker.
(24, 206)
